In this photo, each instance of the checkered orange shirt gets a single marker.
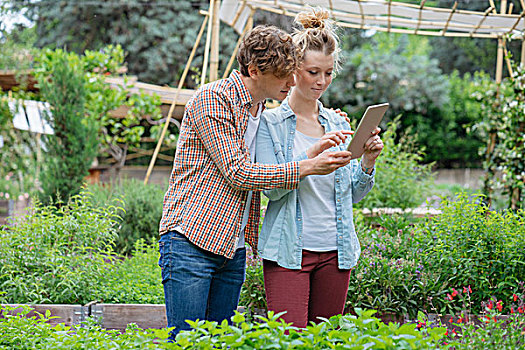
(212, 171)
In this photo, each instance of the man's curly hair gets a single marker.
(270, 49)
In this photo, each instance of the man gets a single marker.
(209, 209)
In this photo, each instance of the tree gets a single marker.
(71, 150)
(157, 34)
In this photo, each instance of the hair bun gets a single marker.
(316, 18)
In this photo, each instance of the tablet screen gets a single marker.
(367, 125)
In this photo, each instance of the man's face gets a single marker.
(274, 87)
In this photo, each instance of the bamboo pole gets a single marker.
(247, 27)
(389, 25)
(208, 42)
(522, 64)
(214, 54)
(487, 11)
(419, 17)
(499, 59)
(174, 102)
(507, 60)
(450, 17)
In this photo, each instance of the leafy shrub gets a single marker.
(400, 180)
(57, 254)
(469, 245)
(134, 280)
(407, 267)
(141, 210)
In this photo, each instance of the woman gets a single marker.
(308, 241)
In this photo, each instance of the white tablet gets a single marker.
(368, 123)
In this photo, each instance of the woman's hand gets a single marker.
(373, 148)
(330, 139)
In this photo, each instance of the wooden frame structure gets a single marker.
(379, 15)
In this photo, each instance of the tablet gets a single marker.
(368, 123)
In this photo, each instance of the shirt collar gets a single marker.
(288, 112)
(243, 93)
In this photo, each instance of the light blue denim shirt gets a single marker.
(281, 239)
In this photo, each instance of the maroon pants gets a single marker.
(319, 289)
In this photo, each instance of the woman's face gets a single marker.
(314, 75)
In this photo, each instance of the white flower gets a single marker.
(7, 196)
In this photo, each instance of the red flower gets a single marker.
(520, 310)
(446, 333)
(469, 290)
(454, 292)
(490, 305)
(460, 319)
(451, 320)
(511, 310)
(499, 305)
(514, 297)
(465, 290)
(449, 297)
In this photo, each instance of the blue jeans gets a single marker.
(198, 284)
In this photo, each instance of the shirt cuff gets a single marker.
(363, 177)
(291, 175)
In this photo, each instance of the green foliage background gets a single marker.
(158, 34)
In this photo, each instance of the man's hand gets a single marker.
(330, 139)
(325, 163)
(342, 114)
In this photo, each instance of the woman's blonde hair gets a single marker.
(318, 34)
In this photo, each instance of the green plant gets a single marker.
(17, 156)
(57, 254)
(338, 332)
(141, 210)
(73, 146)
(136, 279)
(469, 245)
(503, 128)
(253, 296)
(401, 181)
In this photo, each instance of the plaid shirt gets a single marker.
(212, 171)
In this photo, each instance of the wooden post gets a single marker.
(247, 27)
(499, 60)
(522, 64)
(214, 54)
(208, 42)
(174, 102)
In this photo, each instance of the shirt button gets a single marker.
(337, 180)
(339, 219)
(299, 219)
(289, 147)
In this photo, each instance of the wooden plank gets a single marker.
(167, 94)
(67, 314)
(121, 112)
(11, 79)
(118, 316)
